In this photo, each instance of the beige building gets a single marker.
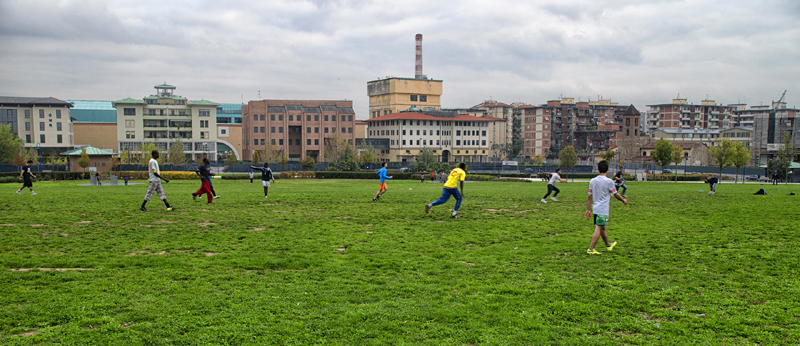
(392, 95)
(164, 117)
(43, 123)
(296, 127)
(707, 137)
(361, 128)
(682, 115)
(452, 137)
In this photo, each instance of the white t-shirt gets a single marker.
(553, 179)
(153, 167)
(601, 188)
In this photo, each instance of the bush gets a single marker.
(41, 176)
(298, 175)
(144, 175)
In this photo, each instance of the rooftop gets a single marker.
(90, 150)
(432, 116)
(31, 101)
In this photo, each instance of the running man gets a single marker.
(620, 182)
(598, 205)
(712, 182)
(155, 183)
(25, 174)
(251, 177)
(551, 185)
(204, 171)
(382, 181)
(457, 175)
(266, 175)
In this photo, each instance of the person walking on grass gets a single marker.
(266, 175)
(619, 182)
(25, 175)
(775, 177)
(551, 185)
(601, 188)
(155, 183)
(712, 184)
(204, 171)
(381, 181)
(456, 177)
(251, 177)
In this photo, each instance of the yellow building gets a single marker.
(392, 95)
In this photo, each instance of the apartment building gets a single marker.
(769, 124)
(297, 127)
(43, 123)
(682, 115)
(452, 137)
(95, 124)
(393, 94)
(707, 137)
(164, 117)
(494, 109)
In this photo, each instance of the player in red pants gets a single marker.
(204, 171)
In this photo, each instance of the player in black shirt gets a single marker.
(712, 181)
(266, 175)
(619, 182)
(204, 171)
(26, 175)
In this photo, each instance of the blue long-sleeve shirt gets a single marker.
(382, 175)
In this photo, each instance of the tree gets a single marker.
(740, 158)
(510, 150)
(175, 154)
(366, 154)
(444, 167)
(608, 156)
(114, 162)
(84, 160)
(785, 157)
(8, 143)
(426, 160)
(281, 158)
(230, 158)
(538, 160)
(568, 158)
(722, 153)
(125, 156)
(256, 158)
(18, 159)
(146, 149)
(662, 154)
(338, 151)
(308, 162)
(677, 157)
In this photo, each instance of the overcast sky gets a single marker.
(640, 52)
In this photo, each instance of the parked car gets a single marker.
(528, 170)
(667, 171)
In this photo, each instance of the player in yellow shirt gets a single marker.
(457, 176)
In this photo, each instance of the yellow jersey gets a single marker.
(456, 175)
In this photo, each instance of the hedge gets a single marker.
(11, 177)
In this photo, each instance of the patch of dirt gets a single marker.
(340, 249)
(31, 333)
(370, 232)
(64, 234)
(467, 263)
(125, 325)
(208, 254)
(440, 221)
(147, 252)
(546, 219)
(36, 224)
(162, 229)
(470, 244)
(521, 211)
(84, 221)
(369, 224)
(48, 269)
(7, 224)
(207, 223)
(257, 228)
(496, 210)
(650, 318)
(145, 225)
(280, 211)
(164, 221)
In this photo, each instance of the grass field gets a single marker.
(319, 263)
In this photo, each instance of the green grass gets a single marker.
(320, 263)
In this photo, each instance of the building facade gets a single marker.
(43, 123)
(164, 117)
(452, 137)
(392, 95)
(95, 124)
(299, 128)
(679, 114)
(770, 124)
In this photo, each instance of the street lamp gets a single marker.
(39, 155)
(685, 159)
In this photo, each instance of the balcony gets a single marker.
(685, 111)
(685, 126)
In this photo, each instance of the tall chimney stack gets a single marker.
(418, 67)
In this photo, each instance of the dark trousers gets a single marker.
(551, 188)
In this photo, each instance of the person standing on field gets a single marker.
(456, 177)
(775, 177)
(155, 183)
(551, 185)
(601, 188)
(204, 171)
(381, 181)
(251, 177)
(25, 174)
(266, 175)
(619, 182)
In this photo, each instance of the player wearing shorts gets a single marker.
(266, 175)
(457, 176)
(155, 183)
(381, 181)
(551, 186)
(25, 174)
(601, 188)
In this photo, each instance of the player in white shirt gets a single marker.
(551, 186)
(601, 188)
(155, 183)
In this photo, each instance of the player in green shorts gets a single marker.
(601, 188)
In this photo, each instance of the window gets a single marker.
(316, 142)
(423, 98)
(483, 133)
(280, 117)
(263, 129)
(41, 114)
(280, 129)
(424, 142)
(255, 142)
(262, 116)
(255, 129)
(58, 127)
(316, 130)
(316, 117)
(404, 132)
(308, 141)
(326, 118)
(308, 117)
(130, 134)
(483, 142)
(129, 111)
(27, 114)
(204, 123)
(297, 141)
(58, 139)
(291, 117)
(262, 141)
(204, 134)
(308, 130)
(41, 138)
(27, 126)
(272, 117)
(350, 130)
(280, 141)
(223, 131)
(417, 132)
(424, 132)
(343, 130)
(326, 130)
(272, 129)
(458, 132)
(458, 142)
(333, 117)
(41, 126)
(418, 142)
(255, 117)
(404, 142)
(350, 118)
(204, 113)
(27, 138)
(413, 98)
(273, 141)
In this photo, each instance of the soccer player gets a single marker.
(155, 183)
(712, 182)
(251, 177)
(204, 171)
(381, 181)
(266, 175)
(551, 185)
(601, 188)
(457, 176)
(620, 182)
(25, 174)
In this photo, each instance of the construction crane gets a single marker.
(778, 104)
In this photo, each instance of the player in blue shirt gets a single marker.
(381, 182)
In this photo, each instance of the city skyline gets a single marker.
(631, 52)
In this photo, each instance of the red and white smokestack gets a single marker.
(418, 67)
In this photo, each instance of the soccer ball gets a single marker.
(701, 191)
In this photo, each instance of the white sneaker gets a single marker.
(554, 199)
(216, 196)
(265, 196)
(543, 201)
(19, 192)
(33, 193)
